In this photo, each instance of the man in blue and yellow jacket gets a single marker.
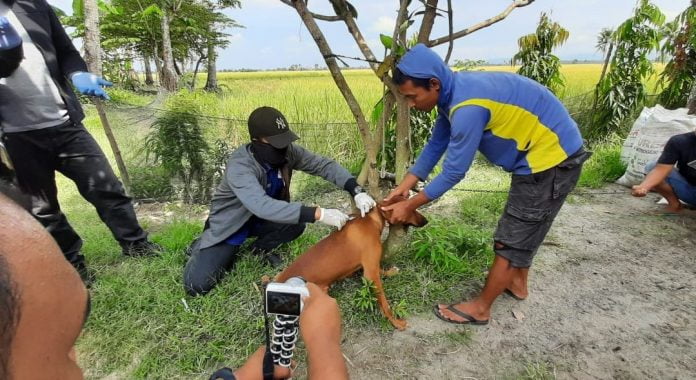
(517, 124)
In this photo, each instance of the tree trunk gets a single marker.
(607, 59)
(92, 38)
(691, 103)
(397, 234)
(169, 78)
(610, 49)
(351, 101)
(428, 21)
(177, 70)
(195, 72)
(158, 63)
(378, 136)
(148, 70)
(93, 59)
(211, 83)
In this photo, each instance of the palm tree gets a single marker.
(535, 56)
(605, 44)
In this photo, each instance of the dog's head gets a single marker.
(416, 219)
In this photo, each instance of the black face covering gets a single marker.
(10, 60)
(267, 154)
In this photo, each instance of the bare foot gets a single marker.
(518, 288)
(471, 308)
(674, 207)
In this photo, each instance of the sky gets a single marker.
(274, 37)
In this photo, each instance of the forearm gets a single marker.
(326, 361)
(417, 201)
(656, 176)
(253, 368)
(409, 182)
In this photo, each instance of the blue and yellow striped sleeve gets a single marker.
(434, 148)
(467, 125)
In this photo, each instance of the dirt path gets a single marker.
(613, 295)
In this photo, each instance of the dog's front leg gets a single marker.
(371, 271)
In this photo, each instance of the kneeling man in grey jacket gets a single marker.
(253, 200)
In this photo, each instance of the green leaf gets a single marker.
(152, 10)
(387, 41)
(78, 7)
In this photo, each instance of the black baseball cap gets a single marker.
(269, 123)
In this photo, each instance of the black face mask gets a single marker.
(10, 60)
(267, 154)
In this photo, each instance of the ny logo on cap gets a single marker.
(281, 124)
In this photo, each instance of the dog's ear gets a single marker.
(416, 220)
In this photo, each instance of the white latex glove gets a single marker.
(364, 203)
(333, 217)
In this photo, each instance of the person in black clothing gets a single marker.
(41, 119)
(675, 184)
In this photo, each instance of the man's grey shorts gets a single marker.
(533, 203)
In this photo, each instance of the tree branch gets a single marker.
(363, 126)
(354, 30)
(315, 15)
(450, 21)
(481, 25)
(428, 21)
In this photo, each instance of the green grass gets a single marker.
(537, 371)
(604, 165)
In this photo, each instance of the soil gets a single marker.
(612, 295)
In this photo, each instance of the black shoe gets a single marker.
(273, 259)
(270, 257)
(193, 247)
(86, 275)
(143, 248)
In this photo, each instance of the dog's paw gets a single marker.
(393, 271)
(400, 324)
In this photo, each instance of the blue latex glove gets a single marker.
(90, 84)
(8, 35)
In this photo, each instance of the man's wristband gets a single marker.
(352, 187)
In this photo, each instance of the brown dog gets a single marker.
(343, 252)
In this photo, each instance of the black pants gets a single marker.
(71, 150)
(206, 267)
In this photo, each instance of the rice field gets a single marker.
(312, 96)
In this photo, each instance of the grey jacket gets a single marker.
(242, 193)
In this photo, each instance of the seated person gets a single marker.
(253, 200)
(673, 184)
(44, 305)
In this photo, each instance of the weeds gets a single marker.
(459, 336)
(538, 371)
(365, 298)
(605, 164)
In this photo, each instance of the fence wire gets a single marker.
(337, 140)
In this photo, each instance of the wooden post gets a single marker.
(93, 58)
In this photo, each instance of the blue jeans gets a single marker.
(685, 191)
